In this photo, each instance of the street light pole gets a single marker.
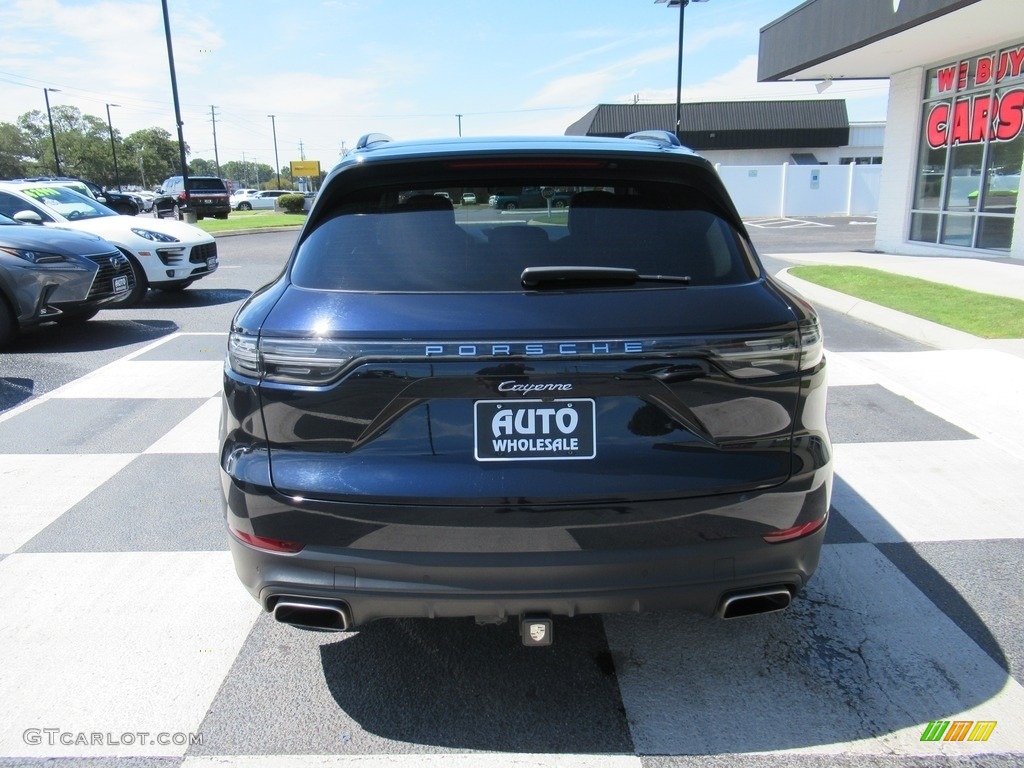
(277, 163)
(113, 151)
(49, 117)
(182, 159)
(681, 5)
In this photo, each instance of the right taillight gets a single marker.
(812, 343)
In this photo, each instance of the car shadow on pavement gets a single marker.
(453, 684)
(191, 297)
(95, 335)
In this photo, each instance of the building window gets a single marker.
(972, 150)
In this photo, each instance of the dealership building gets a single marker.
(954, 136)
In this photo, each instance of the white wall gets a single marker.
(803, 190)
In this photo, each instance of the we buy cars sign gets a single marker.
(983, 116)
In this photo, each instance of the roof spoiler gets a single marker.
(370, 139)
(662, 138)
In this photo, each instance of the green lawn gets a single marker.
(980, 314)
(246, 220)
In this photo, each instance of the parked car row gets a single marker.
(123, 203)
(165, 255)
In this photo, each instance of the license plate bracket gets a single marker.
(535, 430)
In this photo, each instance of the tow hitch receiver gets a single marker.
(536, 630)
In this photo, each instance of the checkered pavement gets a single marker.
(123, 624)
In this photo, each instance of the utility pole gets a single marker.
(216, 158)
(460, 124)
(53, 136)
(277, 163)
(113, 151)
(177, 107)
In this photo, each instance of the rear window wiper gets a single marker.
(567, 277)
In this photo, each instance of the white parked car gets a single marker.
(239, 195)
(167, 255)
(261, 200)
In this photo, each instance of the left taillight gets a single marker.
(288, 361)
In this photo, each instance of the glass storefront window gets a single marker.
(963, 177)
(972, 152)
(958, 230)
(931, 172)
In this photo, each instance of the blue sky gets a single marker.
(332, 70)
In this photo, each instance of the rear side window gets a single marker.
(415, 239)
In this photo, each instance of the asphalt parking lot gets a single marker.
(124, 616)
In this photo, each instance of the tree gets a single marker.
(82, 143)
(200, 167)
(15, 152)
(150, 156)
(248, 174)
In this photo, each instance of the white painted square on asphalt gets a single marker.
(196, 433)
(39, 488)
(980, 390)
(859, 664)
(149, 378)
(930, 491)
(116, 643)
(844, 372)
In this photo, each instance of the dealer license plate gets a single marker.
(120, 283)
(211, 263)
(534, 430)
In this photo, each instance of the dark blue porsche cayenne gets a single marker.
(445, 409)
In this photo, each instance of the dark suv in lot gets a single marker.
(606, 408)
(207, 196)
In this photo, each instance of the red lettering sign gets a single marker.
(975, 120)
(988, 69)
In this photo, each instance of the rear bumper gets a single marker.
(392, 585)
(688, 561)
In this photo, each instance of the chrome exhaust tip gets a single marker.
(754, 602)
(313, 615)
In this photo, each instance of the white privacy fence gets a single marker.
(803, 190)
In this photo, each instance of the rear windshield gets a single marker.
(416, 239)
(209, 185)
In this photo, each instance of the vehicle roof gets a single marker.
(512, 144)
